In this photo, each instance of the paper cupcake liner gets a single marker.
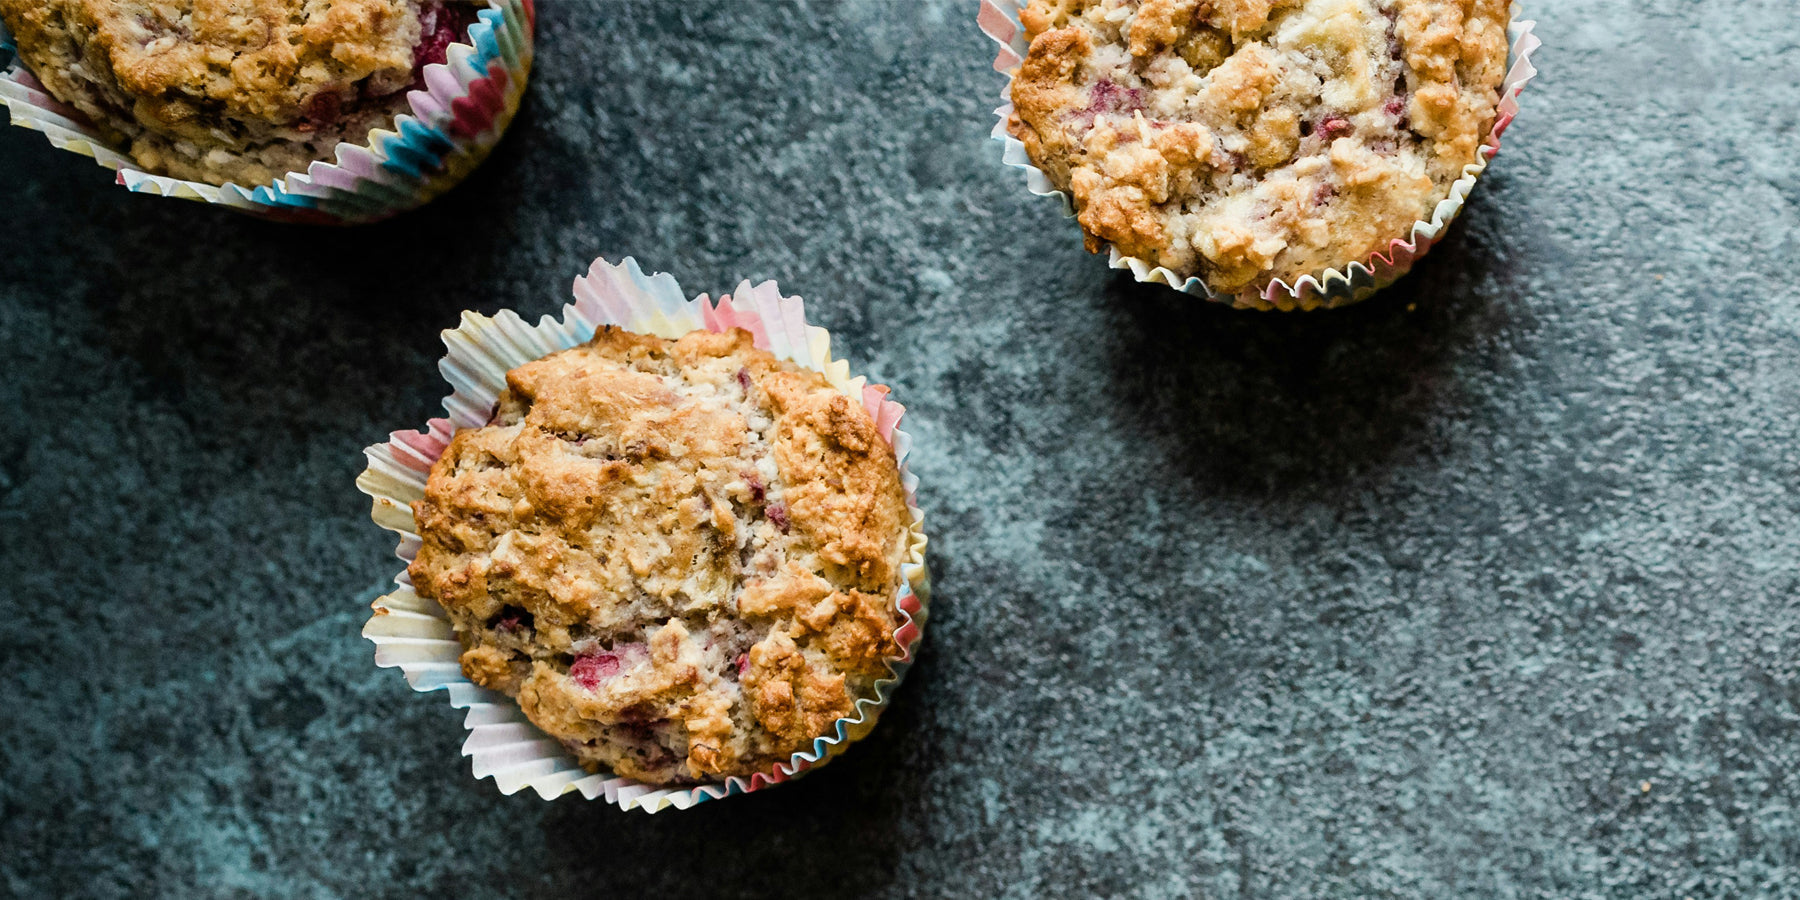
(999, 20)
(457, 117)
(414, 633)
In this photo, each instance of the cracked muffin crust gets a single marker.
(243, 91)
(1243, 141)
(680, 557)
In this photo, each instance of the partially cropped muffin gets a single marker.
(241, 91)
(1244, 141)
(681, 557)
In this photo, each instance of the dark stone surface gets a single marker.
(1485, 588)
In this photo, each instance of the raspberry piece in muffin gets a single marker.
(681, 557)
(1243, 141)
(242, 91)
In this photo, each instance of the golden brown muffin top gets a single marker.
(680, 556)
(1248, 140)
(263, 60)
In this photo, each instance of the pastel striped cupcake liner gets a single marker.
(414, 634)
(457, 117)
(1356, 280)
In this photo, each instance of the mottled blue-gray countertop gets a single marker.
(1485, 588)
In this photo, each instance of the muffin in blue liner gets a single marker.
(457, 111)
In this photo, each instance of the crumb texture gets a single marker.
(233, 90)
(681, 557)
(1248, 140)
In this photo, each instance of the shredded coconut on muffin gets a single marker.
(1244, 141)
(681, 557)
(240, 91)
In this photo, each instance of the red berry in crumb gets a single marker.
(779, 515)
(589, 671)
(323, 109)
(757, 490)
(743, 663)
(1108, 97)
(743, 379)
(442, 26)
(1334, 126)
(510, 620)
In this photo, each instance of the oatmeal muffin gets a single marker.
(681, 557)
(241, 91)
(1243, 141)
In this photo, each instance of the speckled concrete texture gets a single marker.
(1485, 588)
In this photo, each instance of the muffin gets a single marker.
(234, 91)
(681, 557)
(1243, 142)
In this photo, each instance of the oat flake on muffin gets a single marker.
(681, 557)
(1244, 141)
(241, 91)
